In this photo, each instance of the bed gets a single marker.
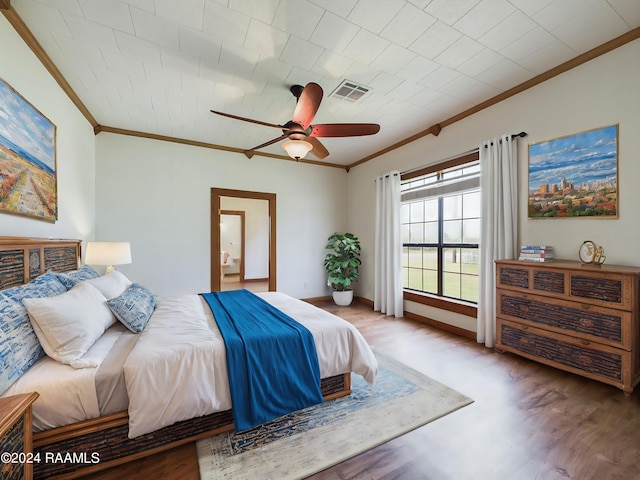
(107, 406)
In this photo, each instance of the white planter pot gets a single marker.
(343, 298)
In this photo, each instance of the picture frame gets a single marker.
(575, 176)
(28, 160)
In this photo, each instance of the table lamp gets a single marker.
(108, 253)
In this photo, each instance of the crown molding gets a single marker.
(21, 28)
(132, 133)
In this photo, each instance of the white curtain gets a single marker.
(387, 287)
(498, 235)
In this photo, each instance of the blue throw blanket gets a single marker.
(271, 359)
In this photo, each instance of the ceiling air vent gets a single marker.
(350, 91)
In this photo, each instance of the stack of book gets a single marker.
(536, 253)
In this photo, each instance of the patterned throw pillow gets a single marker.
(134, 307)
(46, 285)
(19, 346)
(70, 279)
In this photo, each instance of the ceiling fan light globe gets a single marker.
(297, 148)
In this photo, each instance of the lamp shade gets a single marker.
(108, 253)
(297, 148)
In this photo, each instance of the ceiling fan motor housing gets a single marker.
(296, 90)
(295, 131)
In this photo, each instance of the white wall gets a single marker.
(601, 92)
(157, 196)
(75, 144)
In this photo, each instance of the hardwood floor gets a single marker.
(232, 282)
(528, 421)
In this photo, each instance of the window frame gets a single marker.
(445, 303)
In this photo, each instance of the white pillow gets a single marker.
(111, 285)
(67, 325)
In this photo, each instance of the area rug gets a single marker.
(306, 442)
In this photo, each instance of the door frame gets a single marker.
(216, 193)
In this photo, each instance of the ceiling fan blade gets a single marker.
(308, 104)
(236, 117)
(318, 149)
(266, 144)
(344, 129)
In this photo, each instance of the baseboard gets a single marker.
(412, 316)
(314, 300)
(364, 301)
(441, 325)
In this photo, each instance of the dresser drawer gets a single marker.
(590, 359)
(611, 289)
(510, 276)
(604, 325)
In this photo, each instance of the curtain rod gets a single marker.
(514, 135)
(441, 161)
(521, 134)
(395, 174)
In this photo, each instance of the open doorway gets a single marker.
(232, 244)
(252, 251)
(244, 244)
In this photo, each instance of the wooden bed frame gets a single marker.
(21, 260)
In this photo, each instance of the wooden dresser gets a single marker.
(582, 319)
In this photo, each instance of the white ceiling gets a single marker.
(159, 66)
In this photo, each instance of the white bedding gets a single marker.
(181, 360)
(177, 368)
(67, 394)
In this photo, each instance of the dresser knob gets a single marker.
(586, 322)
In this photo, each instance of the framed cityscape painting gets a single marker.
(575, 176)
(28, 181)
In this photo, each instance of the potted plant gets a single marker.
(342, 264)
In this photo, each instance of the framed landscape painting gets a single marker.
(575, 176)
(28, 182)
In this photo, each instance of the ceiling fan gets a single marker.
(302, 137)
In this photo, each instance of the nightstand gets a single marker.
(16, 436)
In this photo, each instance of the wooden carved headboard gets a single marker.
(23, 259)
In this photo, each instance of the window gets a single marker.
(440, 218)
